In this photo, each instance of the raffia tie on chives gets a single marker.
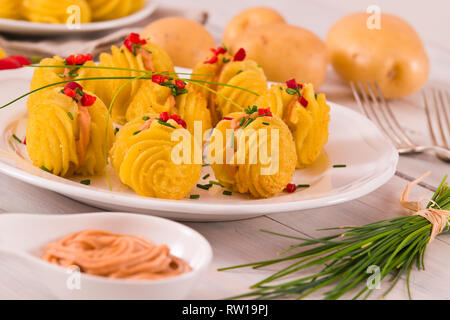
(437, 217)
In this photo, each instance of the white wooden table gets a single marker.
(240, 241)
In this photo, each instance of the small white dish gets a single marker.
(23, 238)
(370, 159)
(34, 28)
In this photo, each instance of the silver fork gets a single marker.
(376, 108)
(437, 108)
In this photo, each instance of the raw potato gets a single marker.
(392, 56)
(285, 52)
(249, 18)
(186, 41)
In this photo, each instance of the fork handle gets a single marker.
(443, 152)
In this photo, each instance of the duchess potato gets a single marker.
(285, 51)
(393, 55)
(187, 42)
(249, 18)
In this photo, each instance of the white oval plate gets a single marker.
(355, 141)
(34, 28)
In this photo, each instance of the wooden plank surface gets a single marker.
(241, 241)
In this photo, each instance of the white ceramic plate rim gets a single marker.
(233, 210)
(207, 258)
(24, 27)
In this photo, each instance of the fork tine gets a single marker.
(369, 110)
(387, 119)
(429, 119)
(442, 116)
(392, 119)
(358, 99)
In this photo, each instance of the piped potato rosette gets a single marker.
(148, 161)
(137, 54)
(66, 132)
(306, 114)
(238, 73)
(193, 107)
(258, 157)
(57, 69)
(165, 94)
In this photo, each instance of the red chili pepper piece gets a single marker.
(78, 59)
(212, 60)
(240, 55)
(303, 101)
(70, 60)
(164, 116)
(73, 85)
(69, 92)
(181, 122)
(292, 84)
(87, 100)
(25, 141)
(159, 79)
(24, 61)
(175, 117)
(291, 188)
(133, 39)
(227, 118)
(180, 84)
(8, 63)
(266, 112)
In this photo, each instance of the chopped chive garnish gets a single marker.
(145, 118)
(206, 176)
(315, 96)
(17, 138)
(116, 130)
(166, 124)
(194, 196)
(240, 71)
(136, 132)
(227, 193)
(339, 166)
(45, 169)
(250, 120)
(241, 122)
(266, 123)
(70, 115)
(216, 183)
(86, 182)
(204, 186)
(205, 165)
(225, 60)
(303, 186)
(78, 90)
(291, 91)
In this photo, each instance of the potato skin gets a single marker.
(393, 56)
(285, 52)
(249, 18)
(186, 41)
